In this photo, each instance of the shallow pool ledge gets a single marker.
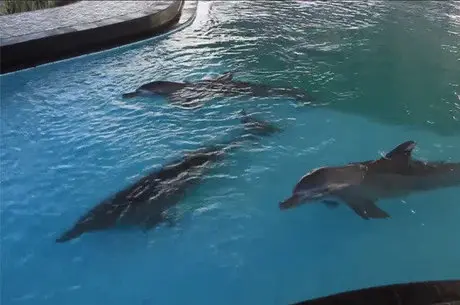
(32, 38)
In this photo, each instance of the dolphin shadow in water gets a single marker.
(359, 185)
(193, 95)
(149, 201)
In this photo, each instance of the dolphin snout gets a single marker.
(69, 235)
(304, 195)
(291, 202)
(129, 95)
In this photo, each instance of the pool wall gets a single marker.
(24, 51)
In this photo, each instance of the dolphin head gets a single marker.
(161, 87)
(70, 234)
(323, 183)
(99, 218)
(82, 227)
(156, 88)
(311, 187)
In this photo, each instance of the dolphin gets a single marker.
(191, 95)
(150, 201)
(360, 184)
(435, 292)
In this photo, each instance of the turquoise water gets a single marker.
(389, 72)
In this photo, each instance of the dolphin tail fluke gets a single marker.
(129, 95)
(69, 235)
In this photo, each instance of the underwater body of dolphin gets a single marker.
(359, 185)
(192, 95)
(147, 202)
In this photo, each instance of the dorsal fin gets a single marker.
(402, 150)
(227, 76)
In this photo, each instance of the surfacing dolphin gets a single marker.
(359, 185)
(149, 201)
(193, 95)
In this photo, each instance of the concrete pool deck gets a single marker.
(32, 38)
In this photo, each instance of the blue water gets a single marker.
(68, 141)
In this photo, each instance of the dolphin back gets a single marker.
(164, 88)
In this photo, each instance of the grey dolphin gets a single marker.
(435, 292)
(193, 95)
(150, 200)
(359, 185)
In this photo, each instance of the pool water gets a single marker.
(387, 72)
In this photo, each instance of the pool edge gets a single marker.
(17, 56)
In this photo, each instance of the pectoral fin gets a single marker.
(364, 207)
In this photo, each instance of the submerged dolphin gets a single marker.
(361, 184)
(436, 292)
(192, 95)
(147, 202)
